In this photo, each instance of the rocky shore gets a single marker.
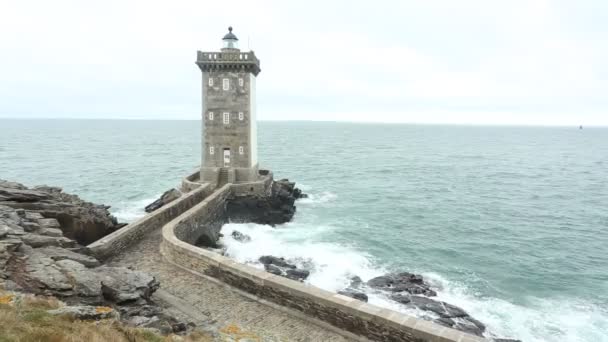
(274, 208)
(43, 233)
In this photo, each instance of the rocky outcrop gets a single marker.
(36, 258)
(46, 210)
(402, 282)
(166, 198)
(281, 267)
(412, 291)
(274, 208)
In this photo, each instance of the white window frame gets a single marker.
(211, 116)
(241, 82)
(241, 150)
(226, 84)
(211, 150)
(241, 116)
(211, 81)
(226, 118)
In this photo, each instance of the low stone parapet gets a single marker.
(119, 240)
(343, 312)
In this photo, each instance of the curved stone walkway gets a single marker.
(237, 316)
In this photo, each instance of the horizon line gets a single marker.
(327, 121)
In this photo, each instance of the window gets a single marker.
(241, 82)
(226, 118)
(211, 150)
(211, 116)
(241, 116)
(211, 81)
(241, 150)
(226, 84)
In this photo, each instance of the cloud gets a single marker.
(391, 60)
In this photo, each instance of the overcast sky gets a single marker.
(478, 61)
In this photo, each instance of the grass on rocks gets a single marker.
(24, 318)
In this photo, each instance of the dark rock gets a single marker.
(469, 327)
(269, 259)
(401, 298)
(447, 322)
(297, 274)
(240, 237)
(273, 269)
(504, 340)
(166, 198)
(179, 327)
(355, 282)
(140, 310)
(354, 294)
(402, 282)
(443, 309)
(272, 209)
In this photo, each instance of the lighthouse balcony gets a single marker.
(217, 61)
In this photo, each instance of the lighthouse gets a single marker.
(229, 128)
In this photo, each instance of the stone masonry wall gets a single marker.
(346, 313)
(119, 240)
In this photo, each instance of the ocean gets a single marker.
(509, 223)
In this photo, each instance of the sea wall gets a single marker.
(119, 240)
(192, 181)
(343, 312)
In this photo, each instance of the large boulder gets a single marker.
(120, 284)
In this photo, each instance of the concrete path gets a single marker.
(238, 316)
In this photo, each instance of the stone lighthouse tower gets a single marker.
(229, 137)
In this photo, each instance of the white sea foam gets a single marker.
(131, 211)
(332, 265)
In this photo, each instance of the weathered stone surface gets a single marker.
(48, 223)
(35, 240)
(30, 226)
(42, 261)
(86, 312)
(49, 207)
(166, 198)
(58, 253)
(51, 232)
(120, 284)
(354, 294)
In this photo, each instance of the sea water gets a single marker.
(509, 223)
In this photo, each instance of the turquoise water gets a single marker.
(511, 223)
